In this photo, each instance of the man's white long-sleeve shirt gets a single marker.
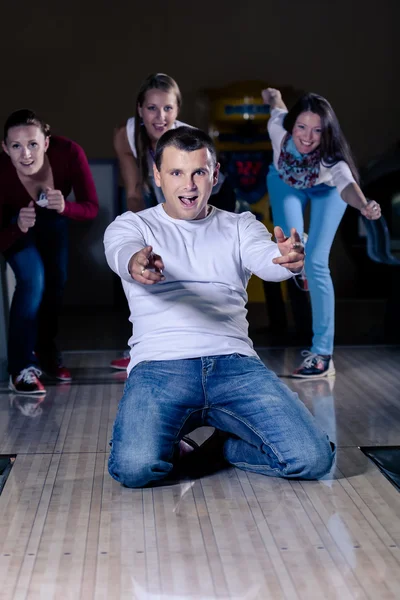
(199, 310)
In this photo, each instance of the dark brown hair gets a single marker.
(25, 117)
(334, 146)
(185, 138)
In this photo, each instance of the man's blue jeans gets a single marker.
(272, 431)
(39, 261)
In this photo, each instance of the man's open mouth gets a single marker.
(188, 200)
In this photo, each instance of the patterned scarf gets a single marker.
(298, 170)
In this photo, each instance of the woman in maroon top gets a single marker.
(37, 173)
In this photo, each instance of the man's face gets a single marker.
(186, 179)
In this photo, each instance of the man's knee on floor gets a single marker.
(136, 471)
(316, 461)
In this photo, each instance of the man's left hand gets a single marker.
(292, 250)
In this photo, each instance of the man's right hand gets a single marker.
(27, 217)
(141, 263)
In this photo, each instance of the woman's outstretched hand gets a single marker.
(371, 210)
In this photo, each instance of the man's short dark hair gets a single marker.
(184, 138)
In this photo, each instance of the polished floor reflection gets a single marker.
(67, 530)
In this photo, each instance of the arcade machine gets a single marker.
(238, 124)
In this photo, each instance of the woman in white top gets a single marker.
(313, 163)
(157, 107)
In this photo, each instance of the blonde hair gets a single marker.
(158, 81)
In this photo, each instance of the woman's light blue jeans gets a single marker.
(327, 210)
(273, 433)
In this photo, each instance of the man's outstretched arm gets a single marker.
(269, 260)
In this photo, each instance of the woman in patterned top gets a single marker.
(313, 163)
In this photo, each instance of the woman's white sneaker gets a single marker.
(314, 366)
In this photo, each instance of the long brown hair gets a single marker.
(158, 81)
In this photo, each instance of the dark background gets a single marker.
(79, 64)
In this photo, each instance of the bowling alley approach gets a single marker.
(199, 302)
